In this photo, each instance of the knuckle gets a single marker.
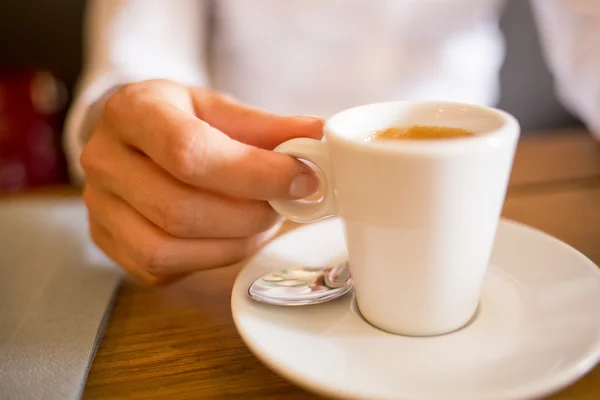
(113, 105)
(180, 218)
(96, 157)
(184, 148)
(124, 98)
(89, 158)
(153, 256)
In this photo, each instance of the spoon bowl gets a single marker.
(301, 286)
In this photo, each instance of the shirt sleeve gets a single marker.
(570, 35)
(133, 40)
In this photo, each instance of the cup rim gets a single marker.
(505, 134)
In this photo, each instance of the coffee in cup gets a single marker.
(417, 132)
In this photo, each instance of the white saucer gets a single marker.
(537, 331)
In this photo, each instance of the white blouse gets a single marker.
(321, 56)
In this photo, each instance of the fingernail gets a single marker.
(304, 185)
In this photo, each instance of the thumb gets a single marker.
(251, 125)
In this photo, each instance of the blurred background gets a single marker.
(40, 58)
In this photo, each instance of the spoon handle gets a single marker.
(338, 276)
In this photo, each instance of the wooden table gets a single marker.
(179, 342)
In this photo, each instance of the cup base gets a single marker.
(355, 308)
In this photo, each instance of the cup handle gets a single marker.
(303, 211)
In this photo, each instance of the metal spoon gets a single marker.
(302, 285)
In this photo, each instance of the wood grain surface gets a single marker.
(179, 342)
(560, 157)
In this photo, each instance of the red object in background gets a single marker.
(32, 105)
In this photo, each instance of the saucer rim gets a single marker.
(537, 389)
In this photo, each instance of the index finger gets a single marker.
(200, 155)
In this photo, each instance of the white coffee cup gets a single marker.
(420, 215)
